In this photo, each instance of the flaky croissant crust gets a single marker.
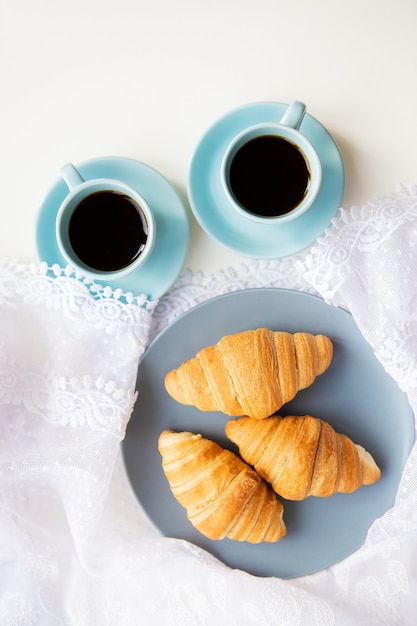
(223, 496)
(253, 372)
(302, 456)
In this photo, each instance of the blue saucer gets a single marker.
(245, 237)
(173, 232)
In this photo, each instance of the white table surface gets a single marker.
(146, 79)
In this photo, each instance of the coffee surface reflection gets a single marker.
(269, 176)
(107, 230)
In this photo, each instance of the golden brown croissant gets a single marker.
(253, 372)
(302, 456)
(223, 496)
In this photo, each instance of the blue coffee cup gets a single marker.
(105, 229)
(270, 171)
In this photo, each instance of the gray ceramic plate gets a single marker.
(355, 396)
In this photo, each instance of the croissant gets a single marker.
(253, 372)
(302, 456)
(223, 496)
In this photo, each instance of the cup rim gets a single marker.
(103, 184)
(304, 145)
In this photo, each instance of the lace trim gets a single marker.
(51, 390)
(194, 288)
(98, 404)
(79, 298)
(364, 257)
(356, 230)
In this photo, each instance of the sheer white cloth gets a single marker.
(75, 546)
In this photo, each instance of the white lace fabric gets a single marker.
(75, 545)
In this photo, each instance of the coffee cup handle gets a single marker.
(294, 114)
(71, 176)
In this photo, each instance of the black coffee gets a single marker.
(269, 176)
(107, 231)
